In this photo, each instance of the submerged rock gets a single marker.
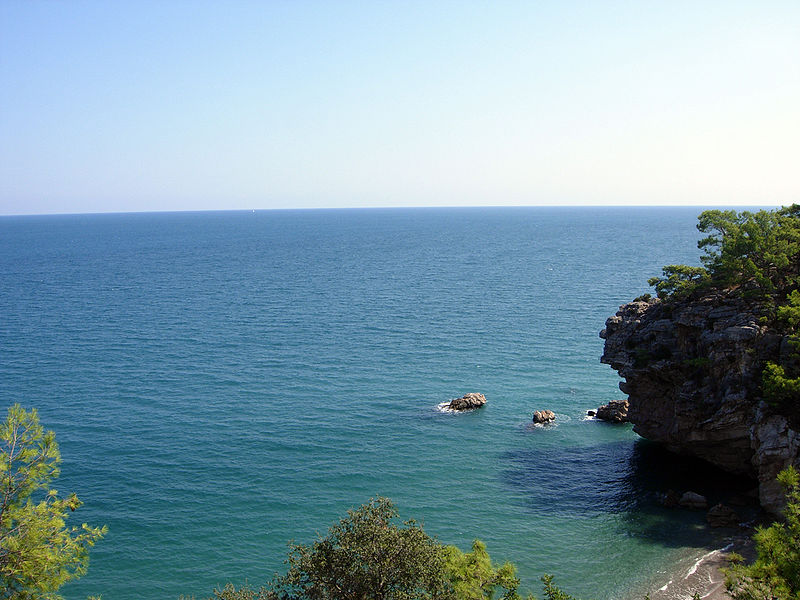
(468, 402)
(544, 416)
(722, 516)
(615, 411)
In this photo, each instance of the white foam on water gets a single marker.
(700, 560)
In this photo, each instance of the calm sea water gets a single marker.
(221, 383)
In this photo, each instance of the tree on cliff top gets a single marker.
(757, 253)
(38, 552)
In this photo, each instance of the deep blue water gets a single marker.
(221, 383)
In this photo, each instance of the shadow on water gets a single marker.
(622, 478)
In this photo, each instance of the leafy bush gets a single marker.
(789, 314)
(473, 577)
(779, 389)
(367, 555)
(700, 362)
(678, 280)
(775, 575)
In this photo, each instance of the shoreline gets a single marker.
(704, 577)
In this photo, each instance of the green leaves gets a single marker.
(759, 249)
(756, 252)
(369, 556)
(366, 555)
(779, 389)
(678, 280)
(473, 577)
(38, 551)
(775, 575)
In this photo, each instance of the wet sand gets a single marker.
(705, 576)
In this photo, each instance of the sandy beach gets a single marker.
(705, 576)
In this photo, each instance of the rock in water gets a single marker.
(468, 402)
(722, 516)
(615, 411)
(544, 416)
(670, 498)
(693, 500)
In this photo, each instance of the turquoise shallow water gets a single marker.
(221, 383)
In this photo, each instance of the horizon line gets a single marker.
(394, 207)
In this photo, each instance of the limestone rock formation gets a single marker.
(468, 402)
(692, 372)
(544, 416)
(616, 411)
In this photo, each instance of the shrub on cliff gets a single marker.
(775, 575)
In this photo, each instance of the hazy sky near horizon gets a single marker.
(178, 105)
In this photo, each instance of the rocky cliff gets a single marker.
(692, 371)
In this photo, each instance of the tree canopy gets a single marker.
(38, 551)
(757, 253)
(367, 555)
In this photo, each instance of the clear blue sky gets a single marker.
(169, 105)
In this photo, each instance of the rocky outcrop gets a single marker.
(722, 516)
(467, 402)
(616, 411)
(692, 371)
(543, 416)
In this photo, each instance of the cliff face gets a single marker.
(692, 371)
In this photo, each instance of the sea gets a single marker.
(223, 383)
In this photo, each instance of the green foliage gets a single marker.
(473, 577)
(779, 389)
(775, 575)
(758, 252)
(678, 280)
(700, 362)
(366, 556)
(789, 314)
(230, 592)
(760, 248)
(553, 592)
(38, 552)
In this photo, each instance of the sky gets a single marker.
(171, 105)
